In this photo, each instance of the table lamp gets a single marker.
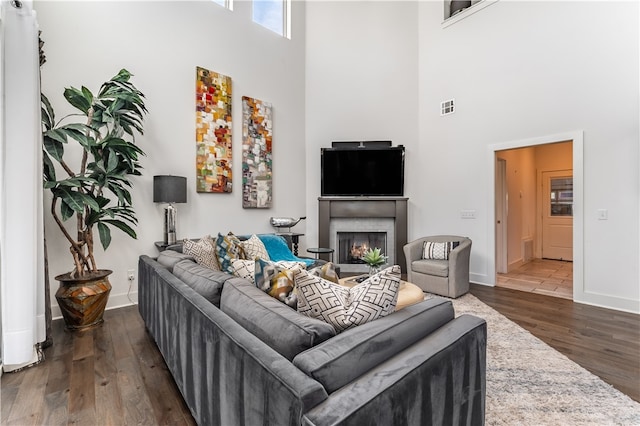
(169, 189)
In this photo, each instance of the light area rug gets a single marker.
(530, 383)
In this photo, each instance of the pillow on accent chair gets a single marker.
(277, 281)
(279, 250)
(344, 307)
(254, 248)
(438, 251)
(228, 248)
(203, 251)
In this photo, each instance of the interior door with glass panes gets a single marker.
(557, 215)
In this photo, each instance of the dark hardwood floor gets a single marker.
(604, 341)
(114, 374)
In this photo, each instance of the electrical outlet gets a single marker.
(131, 274)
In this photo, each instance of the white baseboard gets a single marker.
(606, 301)
(480, 279)
(115, 301)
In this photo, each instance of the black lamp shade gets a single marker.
(169, 189)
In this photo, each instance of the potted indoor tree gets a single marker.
(96, 192)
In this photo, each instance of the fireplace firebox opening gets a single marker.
(353, 245)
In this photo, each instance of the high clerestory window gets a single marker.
(274, 15)
(228, 4)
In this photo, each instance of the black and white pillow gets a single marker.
(203, 251)
(254, 248)
(438, 251)
(344, 307)
(244, 268)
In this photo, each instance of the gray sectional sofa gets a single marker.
(241, 357)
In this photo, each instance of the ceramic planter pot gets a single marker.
(82, 300)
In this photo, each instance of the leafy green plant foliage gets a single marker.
(374, 257)
(97, 192)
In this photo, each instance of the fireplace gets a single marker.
(383, 220)
(353, 245)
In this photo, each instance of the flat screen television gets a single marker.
(362, 171)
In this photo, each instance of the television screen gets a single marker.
(362, 171)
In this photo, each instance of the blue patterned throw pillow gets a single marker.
(277, 280)
(228, 248)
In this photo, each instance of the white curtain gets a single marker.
(21, 206)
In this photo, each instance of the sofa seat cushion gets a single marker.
(276, 324)
(205, 281)
(439, 268)
(351, 354)
(169, 258)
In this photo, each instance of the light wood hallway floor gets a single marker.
(542, 276)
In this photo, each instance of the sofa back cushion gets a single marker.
(203, 280)
(352, 353)
(273, 322)
(169, 258)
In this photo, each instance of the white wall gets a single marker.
(362, 76)
(518, 71)
(161, 43)
(522, 70)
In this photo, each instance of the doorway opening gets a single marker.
(534, 212)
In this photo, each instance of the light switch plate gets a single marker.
(467, 214)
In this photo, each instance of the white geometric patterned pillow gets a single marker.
(203, 251)
(254, 248)
(244, 268)
(438, 251)
(344, 307)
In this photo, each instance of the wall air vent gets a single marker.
(447, 107)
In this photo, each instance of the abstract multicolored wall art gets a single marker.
(256, 153)
(213, 132)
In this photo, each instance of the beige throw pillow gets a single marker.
(203, 251)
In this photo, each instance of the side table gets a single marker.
(321, 250)
(295, 240)
(161, 246)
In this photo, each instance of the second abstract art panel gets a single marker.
(256, 153)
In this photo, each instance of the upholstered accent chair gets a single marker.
(441, 269)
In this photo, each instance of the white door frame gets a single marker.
(501, 208)
(577, 137)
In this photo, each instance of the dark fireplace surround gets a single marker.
(365, 207)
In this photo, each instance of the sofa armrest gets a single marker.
(348, 355)
(441, 379)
